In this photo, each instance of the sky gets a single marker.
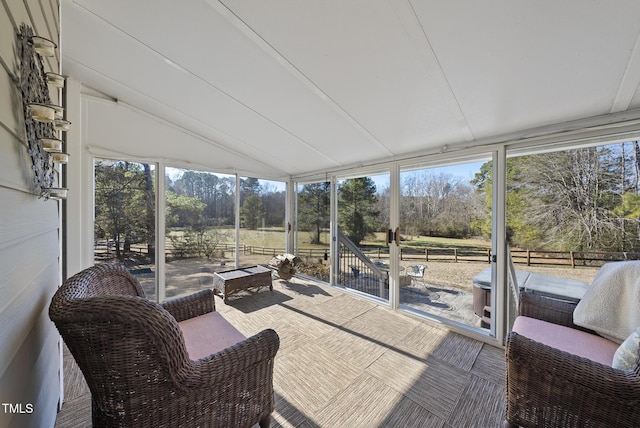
(465, 172)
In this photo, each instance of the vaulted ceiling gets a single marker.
(294, 86)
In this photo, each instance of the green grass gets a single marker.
(430, 242)
(275, 238)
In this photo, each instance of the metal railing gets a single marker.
(358, 272)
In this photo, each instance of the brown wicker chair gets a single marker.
(133, 355)
(547, 387)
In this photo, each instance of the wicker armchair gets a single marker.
(547, 387)
(133, 355)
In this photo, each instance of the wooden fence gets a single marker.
(453, 254)
(526, 257)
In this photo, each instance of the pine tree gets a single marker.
(356, 208)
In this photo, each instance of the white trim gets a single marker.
(601, 129)
(102, 152)
(394, 223)
(160, 234)
(334, 267)
(237, 225)
(607, 134)
(290, 218)
(499, 299)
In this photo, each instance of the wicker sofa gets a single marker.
(560, 375)
(179, 364)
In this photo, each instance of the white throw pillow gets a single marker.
(627, 353)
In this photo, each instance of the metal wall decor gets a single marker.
(43, 120)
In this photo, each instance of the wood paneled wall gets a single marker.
(29, 239)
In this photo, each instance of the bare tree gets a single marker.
(573, 197)
(438, 204)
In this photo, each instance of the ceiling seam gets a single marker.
(261, 42)
(629, 82)
(226, 94)
(418, 36)
(198, 136)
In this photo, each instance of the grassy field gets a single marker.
(430, 241)
(378, 239)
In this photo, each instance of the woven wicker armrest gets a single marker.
(190, 306)
(561, 387)
(546, 309)
(248, 361)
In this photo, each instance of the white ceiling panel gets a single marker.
(361, 54)
(214, 89)
(520, 64)
(134, 134)
(302, 86)
(160, 89)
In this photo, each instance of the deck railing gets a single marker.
(357, 271)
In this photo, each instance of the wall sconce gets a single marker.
(56, 193)
(56, 80)
(60, 158)
(61, 125)
(44, 47)
(42, 118)
(51, 145)
(45, 113)
(42, 112)
(58, 111)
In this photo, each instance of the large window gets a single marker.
(200, 235)
(567, 213)
(262, 233)
(124, 227)
(200, 228)
(570, 211)
(445, 240)
(313, 234)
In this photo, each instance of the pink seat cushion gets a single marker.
(207, 334)
(576, 342)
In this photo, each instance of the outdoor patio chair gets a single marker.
(151, 365)
(416, 273)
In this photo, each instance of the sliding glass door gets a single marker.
(363, 219)
(445, 241)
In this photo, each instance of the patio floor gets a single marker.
(347, 362)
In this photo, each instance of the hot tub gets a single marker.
(565, 289)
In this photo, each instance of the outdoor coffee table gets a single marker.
(228, 282)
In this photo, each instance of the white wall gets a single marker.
(29, 240)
